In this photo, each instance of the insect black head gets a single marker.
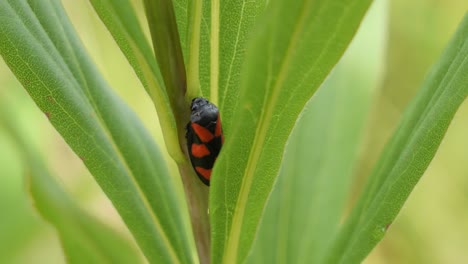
(198, 102)
(203, 112)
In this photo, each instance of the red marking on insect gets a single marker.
(218, 130)
(47, 115)
(206, 173)
(204, 134)
(199, 150)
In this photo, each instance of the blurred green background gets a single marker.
(432, 227)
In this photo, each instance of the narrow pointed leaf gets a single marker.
(306, 206)
(41, 48)
(408, 154)
(292, 50)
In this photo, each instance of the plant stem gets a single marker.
(197, 194)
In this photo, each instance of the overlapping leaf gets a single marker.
(236, 22)
(306, 206)
(214, 36)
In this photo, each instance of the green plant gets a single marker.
(261, 72)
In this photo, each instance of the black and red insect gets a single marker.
(204, 137)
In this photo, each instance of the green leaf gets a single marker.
(41, 48)
(408, 154)
(84, 238)
(194, 24)
(214, 34)
(293, 49)
(231, 26)
(121, 20)
(193, 34)
(19, 224)
(167, 48)
(305, 208)
(183, 10)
